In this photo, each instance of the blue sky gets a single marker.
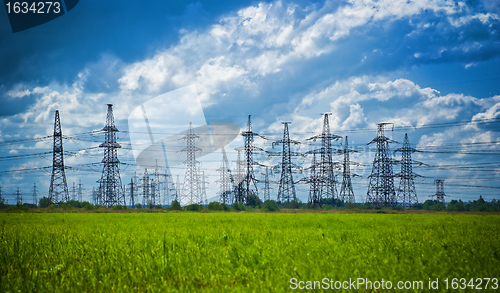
(430, 67)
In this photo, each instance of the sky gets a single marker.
(432, 68)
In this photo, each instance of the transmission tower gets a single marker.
(58, 191)
(239, 193)
(73, 192)
(267, 187)
(407, 196)
(286, 192)
(381, 187)
(225, 182)
(110, 189)
(155, 186)
(146, 185)
(327, 186)
(203, 190)
(439, 191)
(168, 188)
(249, 181)
(346, 192)
(191, 188)
(19, 196)
(133, 190)
(35, 199)
(314, 198)
(80, 190)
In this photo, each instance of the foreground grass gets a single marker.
(258, 252)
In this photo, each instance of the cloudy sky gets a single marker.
(430, 67)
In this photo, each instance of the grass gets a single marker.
(259, 252)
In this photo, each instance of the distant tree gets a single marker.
(428, 203)
(437, 207)
(217, 206)
(417, 206)
(44, 202)
(294, 204)
(175, 206)
(270, 206)
(193, 207)
(158, 206)
(460, 206)
(151, 205)
(237, 206)
(254, 201)
(138, 205)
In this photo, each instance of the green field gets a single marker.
(260, 252)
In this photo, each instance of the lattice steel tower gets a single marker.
(286, 192)
(328, 185)
(155, 186)
(191, 188)
(267, 187)
(225, 182)
(146, 189)
(58, 191)
(406, 196)
(110, 189)
(381, 187)
(346, 192)
(133, 190)
(239, 193)
(249, 182)
(439, 191)
(314, 180)
(35, 199)
(19, 196)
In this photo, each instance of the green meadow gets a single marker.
(249, 252)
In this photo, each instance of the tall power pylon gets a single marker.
(133, 190)
(35, 198)
(346, 192)
(286, 192)
(191, 188)
(314, 198)
(327, 186)
(146, 189)
(110, 189)
(406, 195)
(73, 192)
(249, 183)
(203, 189)
(439, 191)
(58, 191)
(19, 196)
(155, 186)
(80, 190)
(225, 182)
(239, 193)
(267, 187)
(381, 187)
